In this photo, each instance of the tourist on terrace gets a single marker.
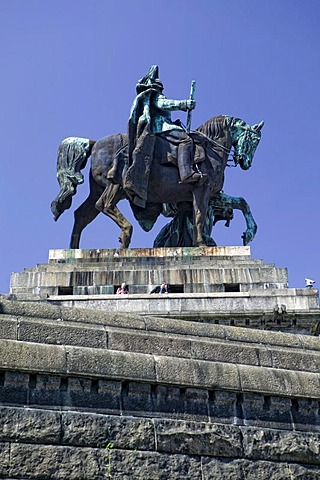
(123, 289)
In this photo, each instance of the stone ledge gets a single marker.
(154, 343)
(287, 301)
(137, 399)
(13, 312)
(277, 292)
(113, 365)
(94, 254)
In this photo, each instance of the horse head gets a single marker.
(245, 139)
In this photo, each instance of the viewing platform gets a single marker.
(213, 284)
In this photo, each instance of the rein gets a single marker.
(224, 149)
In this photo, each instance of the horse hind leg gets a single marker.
(85, 214)
(107, 205)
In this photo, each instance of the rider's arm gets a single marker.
(167, 104)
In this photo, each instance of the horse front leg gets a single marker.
(201, 196)
(107, 205)
(125, 226)
(224, 201)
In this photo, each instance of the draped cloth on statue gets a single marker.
(165, 147)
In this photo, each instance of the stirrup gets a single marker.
(194, 178)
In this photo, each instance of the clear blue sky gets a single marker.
(69, 68)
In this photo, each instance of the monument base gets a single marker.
(149, 386)
(186, 270)
(91, 395)
(212, 284)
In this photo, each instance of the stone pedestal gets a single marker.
(213, 284)
(187, 270)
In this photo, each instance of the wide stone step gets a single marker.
(158, 337)
(157, 370)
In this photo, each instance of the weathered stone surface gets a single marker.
(297, 360)
(30, 309)
(266, 411)
(14, 387)
(215, 468)
(199, 304)
(168, 252)
(197, 373)
(32, 426)
(87, 362)
(149, 343)
(223, 406)
(272, 381)
(176, 399)
(129, 465)
(4, 459)
(194, 438)
(57, 462)
(31, 357)
(115, 319)
(278, 445)
(102, 363)
(228, 352)
(61, 334)
(262, 337)
(8, 327)
(204, 274)
(183, 403)
(305, 414)
(44, 310)
(83, 429)
(169, 325)
(309, 342)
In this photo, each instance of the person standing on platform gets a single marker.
(164, 288)
(123, 289)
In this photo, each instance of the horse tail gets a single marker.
(73, 154)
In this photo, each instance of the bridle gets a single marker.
(235, 157)
(244, 139)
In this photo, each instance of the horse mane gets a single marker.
(215, 127)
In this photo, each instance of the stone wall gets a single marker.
(170, 398)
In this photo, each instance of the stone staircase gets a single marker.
(87, 394)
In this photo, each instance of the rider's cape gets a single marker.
(141, 144)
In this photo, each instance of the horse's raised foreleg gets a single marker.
(224, 201)
(85, 213)
(107, 205)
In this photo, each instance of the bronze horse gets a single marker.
(216, 138)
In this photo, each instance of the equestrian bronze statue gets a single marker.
(160, 168)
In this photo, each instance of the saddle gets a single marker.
(167, 145)
(164, 146)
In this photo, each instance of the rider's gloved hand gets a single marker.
(185, 105)
(190, 104)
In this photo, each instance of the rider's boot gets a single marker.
(187, 175)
